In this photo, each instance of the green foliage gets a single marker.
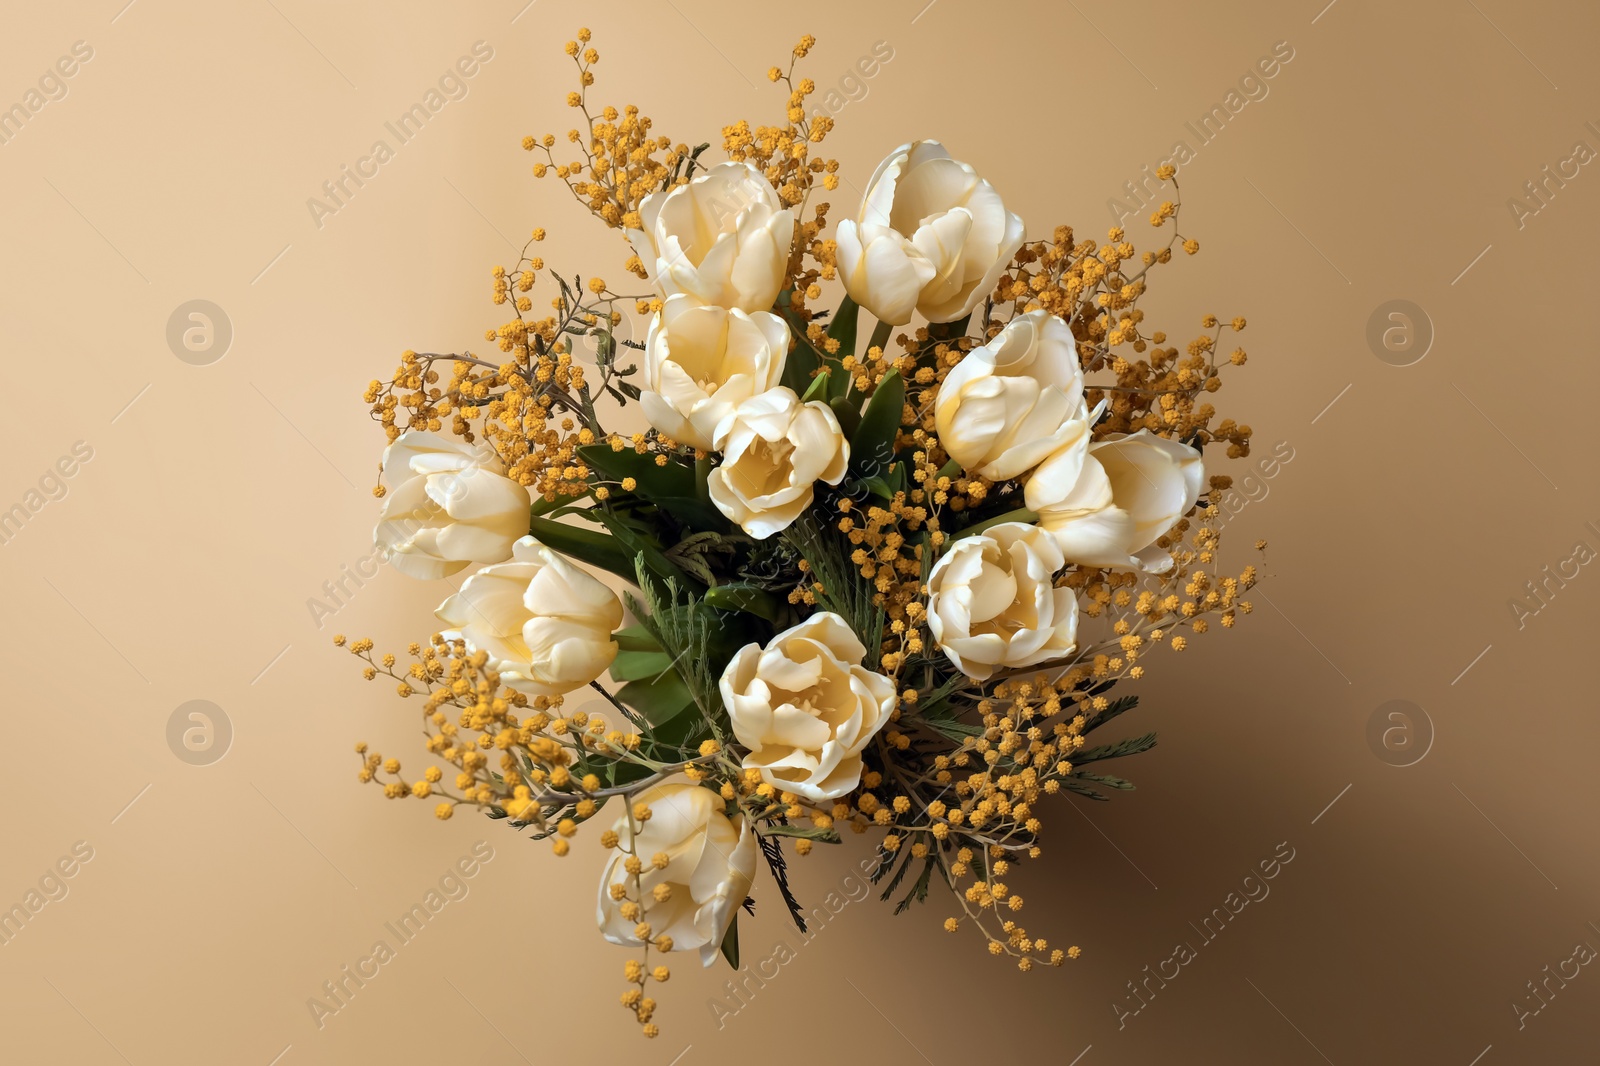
(846, 592)
(633, 665)
(673, 479)
(746, 597)
(818, 389)
(697, 643)
(730, 943)
(1130, 746)
(1120, 705)
(842, 328)
(919, 889)
(585, 545)
(872, 443)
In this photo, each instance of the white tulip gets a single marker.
(702, 361)
(724, 238)
(446, 506)
(931, 237)
(992, 601)
(806, 707)
(711, 863)
(545, 623)
(1106, 505)
(1008, 405)
(774, 451)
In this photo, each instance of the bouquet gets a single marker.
(880, 582)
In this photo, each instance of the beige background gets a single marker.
(220, 497)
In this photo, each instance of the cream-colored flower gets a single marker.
(545, 623)
(724, 238)
(992, 602)
(931, 237)
(702, 361)
(446, 506)
(774, 451)
(806, 707)
(1007, 405)
(1106, 505)
(711, 862)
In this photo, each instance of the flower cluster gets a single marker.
(880, 583)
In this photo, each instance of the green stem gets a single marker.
(702, 479)
(1021, 514)
(880, 336)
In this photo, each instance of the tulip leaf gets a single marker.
(693, 513)
(673, 479)
(1021, 514)
(636, 545)
(880, 337)
(843, 327)
(843, 330)
(818, 389)
(943, 331)
(872, 442)
(744, 597)
(847, 414)
(636, 638)
(639, 665)
(659, 698)
(730, 942)
(586, 545)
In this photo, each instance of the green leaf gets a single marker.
(744, 597)
(636, 638)
(1083, 790)
(880, 337)
(1120, 705)
(658, 699)
(1130, 746)
(1021, 514)
(843, 326)
(804, 360)
(636, 665)
(818, 389)
(919, 890)
(730, 942)
(623, 772)
(899, 875)
(637, 545)
(954, 730)
(1104, 779)
(586, 545)
(872, 442)
(674, 479)
(943, 331)
(843, 330)
(827, 836)
(693, 513)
